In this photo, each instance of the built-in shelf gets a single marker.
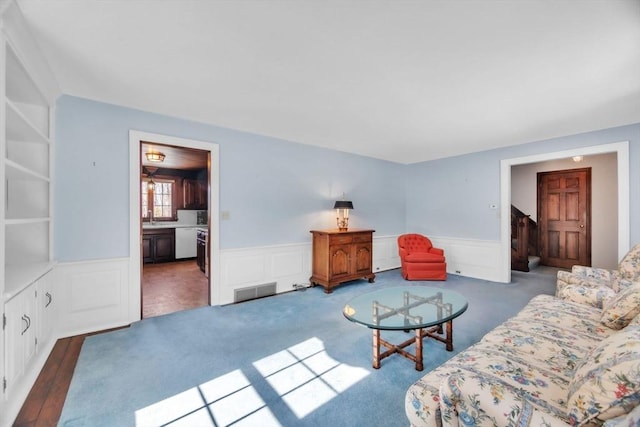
(20, 128)
(19, 276)
(17, 171)
(24, 221)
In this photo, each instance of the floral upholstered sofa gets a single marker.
(569, 359)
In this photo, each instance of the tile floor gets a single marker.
(173, 286)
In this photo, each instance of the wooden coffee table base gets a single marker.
(434, 332)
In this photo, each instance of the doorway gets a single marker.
(564, 217)
(621, 149)
(136, 230)
(174, 189)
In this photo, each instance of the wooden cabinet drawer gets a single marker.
(340, 239)
(361, 238)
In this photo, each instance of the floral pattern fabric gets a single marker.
(595, 296)
(619, 311)
(606, 383)
(628, 271)
(523, 366)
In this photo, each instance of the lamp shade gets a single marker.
(343, 204)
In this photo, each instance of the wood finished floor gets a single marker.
(166, 287)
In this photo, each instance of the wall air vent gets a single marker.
(253, 292)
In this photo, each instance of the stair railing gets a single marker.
(524, 239)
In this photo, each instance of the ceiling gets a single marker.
(400, 80)
(174, 157)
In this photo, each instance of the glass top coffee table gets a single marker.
(420, 308)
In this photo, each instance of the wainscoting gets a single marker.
(480, 259)
(96, 295)
(93, 295)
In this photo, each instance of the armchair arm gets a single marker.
(478, 400)
(436, 251)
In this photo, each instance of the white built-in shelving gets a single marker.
(28, 94)
(27, 169)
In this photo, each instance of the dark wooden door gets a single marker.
(564, 217)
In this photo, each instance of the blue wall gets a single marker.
(450, 197)
(276, 191)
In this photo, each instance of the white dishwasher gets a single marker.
(186, 242)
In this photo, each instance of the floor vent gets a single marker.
(253, 292)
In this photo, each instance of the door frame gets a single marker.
(135, 223)
(622, 151)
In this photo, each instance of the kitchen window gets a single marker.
(157, 199)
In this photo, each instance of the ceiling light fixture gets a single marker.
(577, 158)
(156, 157)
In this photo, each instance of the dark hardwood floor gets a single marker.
(166, 288)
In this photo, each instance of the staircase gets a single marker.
(524, 241)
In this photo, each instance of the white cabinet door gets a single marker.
(13, 342)
(20, 334)
(46, 306)
(186, 242)
(30, 336)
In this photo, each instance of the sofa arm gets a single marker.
(599, 274)
(585, 293)
(477, 400)
(584, 276)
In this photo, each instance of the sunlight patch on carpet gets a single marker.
(306, 377)
(229, 399)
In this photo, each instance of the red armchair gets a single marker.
(420, 260)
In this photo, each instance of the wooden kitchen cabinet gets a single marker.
(195, 194)
(341, 256)
(158, 245)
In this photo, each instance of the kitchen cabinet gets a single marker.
(158, 245)
(195, 194)
(341, 256)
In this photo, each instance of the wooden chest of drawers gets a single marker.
(341, 256)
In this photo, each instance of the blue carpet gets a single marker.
(286, 360)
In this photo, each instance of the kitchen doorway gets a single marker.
(174, 193)
(137, 243)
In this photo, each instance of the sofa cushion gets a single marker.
(619, 311)
(606, 383)
(424, 257)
